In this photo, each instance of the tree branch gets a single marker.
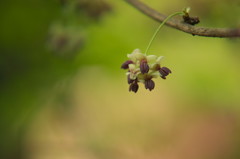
(180, 25)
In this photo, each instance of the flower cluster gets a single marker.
(142, 68)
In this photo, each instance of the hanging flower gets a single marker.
(142, 68)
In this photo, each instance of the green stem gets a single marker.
(160, 26)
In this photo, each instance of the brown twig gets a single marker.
(180, 25)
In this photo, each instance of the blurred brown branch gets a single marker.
(180, 25)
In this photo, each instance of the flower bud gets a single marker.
(149, 84)
(190, 20)
(133, 87)
(144, 68)
(125, 64)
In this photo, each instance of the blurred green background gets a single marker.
(64, 96)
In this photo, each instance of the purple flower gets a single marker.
(144, 68)
(129, 79)
(149, 84)
(125, 64)
(133, 87)
(164, 71)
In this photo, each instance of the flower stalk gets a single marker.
(160, 26)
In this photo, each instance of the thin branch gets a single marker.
(180, 25)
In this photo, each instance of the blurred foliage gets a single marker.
(46, 42)
(65, 41)
(27, 68)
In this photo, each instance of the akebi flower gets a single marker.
(149, 84)
(133, 87)
(142, 69)
(125, 64)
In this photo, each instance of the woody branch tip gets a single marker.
(180, 25)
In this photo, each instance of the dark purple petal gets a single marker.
(164, 71)
(149, 84)
(133, 87)
(144, 68)
(163, 77)
(125, 64)
(129, 79)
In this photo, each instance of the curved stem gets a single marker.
(160, 26)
